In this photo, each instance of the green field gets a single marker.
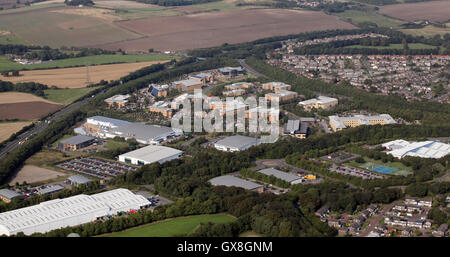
(428, 31)
(68, 95)
(360, 16)
(112, 144)
(6, 64)
(396, 46)
(30, 8)
(173, 227)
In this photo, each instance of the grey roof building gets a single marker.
(145, 134)
(50, 189)
(295, 128)
(8, 195)
(75, 142)
(236, 143)
(229, 181)
(78, 180)
(286, 176)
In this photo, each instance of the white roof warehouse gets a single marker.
(150, 154)
(71, 211)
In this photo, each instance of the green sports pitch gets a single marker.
(173, 227)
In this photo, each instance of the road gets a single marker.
(41, 126)
(375, 221)
(249, 69)
(441, 178)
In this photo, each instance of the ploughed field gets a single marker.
(76, 77)
(26, 110)
(213, 29)
(437, 11)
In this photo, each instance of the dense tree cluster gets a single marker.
(26, 87)
(175, 2)
(79, 2)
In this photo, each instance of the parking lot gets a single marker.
(156, 200)
(347, 170)
(95, 167)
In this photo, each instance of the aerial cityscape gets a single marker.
(224, 118)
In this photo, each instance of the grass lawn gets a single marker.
(46, 158)
(396, 46)
(111, 144)
(66, 96)
(6, 64)
(173, 227)
(360, 16)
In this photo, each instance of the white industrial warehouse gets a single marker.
(426, 149)
(150, 154)
(71, 211)
(236, 143)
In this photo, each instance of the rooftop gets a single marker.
(142, 132)
(152, 153)
(229, 181)
(76, 140)
(279, 174)
(9, 194)
(79, 179)
(237, 141)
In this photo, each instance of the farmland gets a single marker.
(428, 31)
(437, 11)
(355, 17)
(212, 29)
(26, 110)
(18, 97)
(66, 96)
(173, 227)
(76, 77)
(55, 27)
(8, 65)
(9, 128)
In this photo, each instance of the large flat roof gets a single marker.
(76, 140)
(229, 181)
(9, 194)
(237, 141)
(142, 131)
(152, 153)
(71, 211)
(279, 174)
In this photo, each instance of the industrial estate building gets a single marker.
(231, 71)
(321, 102)
(144, 134)
(150, 154)
(339, 123)
(230, 181)
(426, 149)
(236, 143)
(296, 128)
(104, 127)
(76, 142)
(7, 195)
(119, 101)
(78, 180)
(71, 211)
(286, 176)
